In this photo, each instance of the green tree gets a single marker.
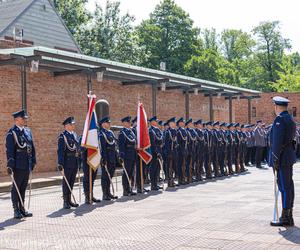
(77, 19)
(168, 36)
(204, 66)
(270, 49)
(236, 44)
(210, 39)
(112, 35)
(74, 13)
(289, 75)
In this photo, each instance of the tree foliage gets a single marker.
(168, 36)
(257, 60)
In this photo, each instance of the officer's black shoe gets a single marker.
(139, 191)
(132, 193)
(66, 204)
(106, 197)
(25, 213)
(72, 204)
(286, 219)
(159, 187)
(87, 199)
(126, 193)
(112, 196)
(18, 214)
(96, 200)
(154, 188)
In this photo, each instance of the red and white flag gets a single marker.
(143, 138)
(90, 135)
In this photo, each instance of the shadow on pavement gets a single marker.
(139, 197)
(291, 234)
(60, 213)
(9, 222)
(87, 208)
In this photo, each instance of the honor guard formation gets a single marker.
(183, 152)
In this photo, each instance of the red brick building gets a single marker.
(63, 78)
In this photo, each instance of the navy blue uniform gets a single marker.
(170, 146)
(191, 154)
(242, 150)
(182, 154)
(199, 153)
(223, 151)
(230, 150)
(236, 151)
(109, 159)
(21, 158)
(216, 143)
(68, 157)
(207, 152)
(127, 152)
(156, 138)
(283, 155)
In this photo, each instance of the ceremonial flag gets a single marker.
(90, 135)
(143, 139)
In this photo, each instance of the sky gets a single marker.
(226, 14)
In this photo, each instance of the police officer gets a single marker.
(21, 160)
(182, 151)
(86, 176)
(223, 148)
(248, 144)
(282, 157)
(191, 150)
(260, 143)
(109, 157)
(230, 147)
(199, 151)
(236, 148)
(242, 135)
(127, 153)
(170, 147)
(68, 159)
(216, 143)
(207, 149)
(156, 139)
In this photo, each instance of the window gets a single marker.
(294, 111)
(253, 111)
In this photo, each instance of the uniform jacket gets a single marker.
(191, 140)
(259, 137)
(68, 150)
(156, 138)
(282, 135)
(20, 150)
(108, 146)
(182, 139)
(127, 144)
(170, 141)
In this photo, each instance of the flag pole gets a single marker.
(91, 187)
(142, 174)
(90, 168)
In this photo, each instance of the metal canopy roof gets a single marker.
(61, 62)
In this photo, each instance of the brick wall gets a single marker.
(264, 107)
(50, 100)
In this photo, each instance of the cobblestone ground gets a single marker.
(229, 213)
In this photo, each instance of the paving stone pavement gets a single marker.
(228, 213)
